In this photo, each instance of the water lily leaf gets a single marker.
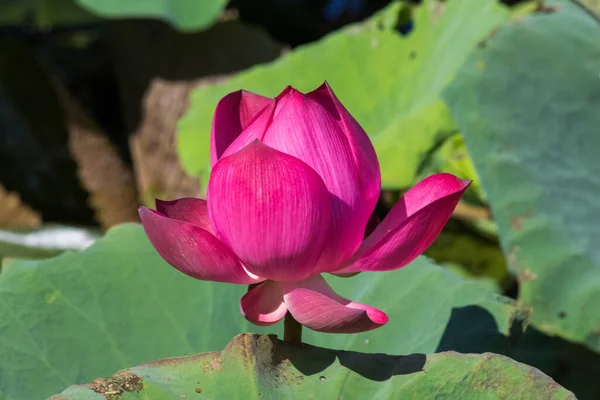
(389, 82)
(262, 367)
(186, 15)
(526, 102)
(117, 304)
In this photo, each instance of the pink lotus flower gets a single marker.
(294, 184)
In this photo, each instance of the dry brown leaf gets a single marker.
(153, 146)
(470, 212)
(16, 214)
(108, 180)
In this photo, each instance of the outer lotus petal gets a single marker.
(263, 304)
(411, 226)
(305, 129)
(232, 115)
(315, 305)
(284, 92)
(374, 221)
(254, 131)
(272, 209)
(362, 149)
(188, 209)
(193, 250)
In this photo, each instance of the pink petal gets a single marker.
(193, 250)
(233, 114)
(363, 152)
(188, 209)
(374, 221)
(315, 305)
(284, 92)
(305, 129)
(411, 226)
(254, 131)
(263, 304)
(272, 209)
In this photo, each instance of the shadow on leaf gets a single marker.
(473, 329)
(312, 360)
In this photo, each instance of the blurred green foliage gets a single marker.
(526, 102)
(186, 15)
(43, 14)
(389, 82)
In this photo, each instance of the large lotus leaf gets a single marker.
(186, 15)
(572, 365)
(262, 367)
(116, 304)
(527, 102)
(389, 82)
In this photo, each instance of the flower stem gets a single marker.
(292, 330)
